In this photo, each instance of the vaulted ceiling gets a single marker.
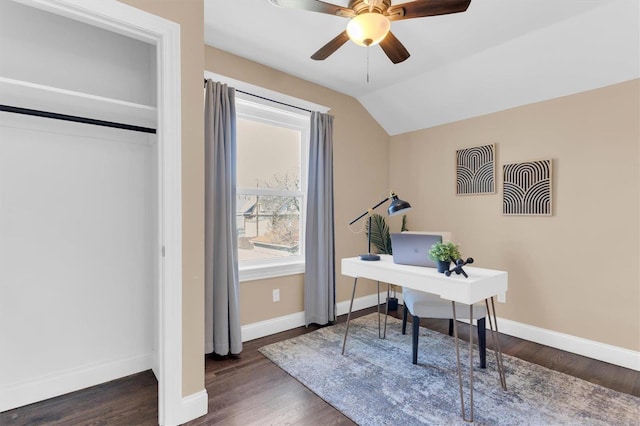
(497, 55)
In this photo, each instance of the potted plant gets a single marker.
(444, 253)
(381, 240)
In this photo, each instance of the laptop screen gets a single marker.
(413, 249)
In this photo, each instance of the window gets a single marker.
(272, 146)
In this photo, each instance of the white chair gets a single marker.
(425, 305)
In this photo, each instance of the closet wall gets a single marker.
(78, 208)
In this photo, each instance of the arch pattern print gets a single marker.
(527, 188)
(475, 170)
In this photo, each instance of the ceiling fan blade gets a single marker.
(394, 49)
(420, 8)
(315, 6)
(326, 50)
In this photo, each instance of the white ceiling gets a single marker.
(497, 55)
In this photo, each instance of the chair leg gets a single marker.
(404, 319)
(451, 327)
(414, 342)
(482, 342)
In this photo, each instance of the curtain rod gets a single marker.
(76, 119)
(267, 99)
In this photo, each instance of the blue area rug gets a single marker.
(375, 383)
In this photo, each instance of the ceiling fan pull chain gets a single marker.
(368, 64)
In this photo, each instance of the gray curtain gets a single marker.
(222, 307)
(320, 275)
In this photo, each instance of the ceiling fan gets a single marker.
(371, 21)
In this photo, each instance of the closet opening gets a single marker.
(90, 201)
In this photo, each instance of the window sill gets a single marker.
(273, 270)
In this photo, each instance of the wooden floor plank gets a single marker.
(249, 389)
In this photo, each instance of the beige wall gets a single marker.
(256, 298)
(577, 271)
(190, 15)
(360, 155)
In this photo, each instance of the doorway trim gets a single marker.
(123, 19)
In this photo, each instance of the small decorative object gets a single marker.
(527, 188)
(475, 170)
(458, 268)
(392, 301)
(444, 253)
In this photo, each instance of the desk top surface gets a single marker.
(481, 284)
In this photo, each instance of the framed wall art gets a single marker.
(527, 188)
(475, 170)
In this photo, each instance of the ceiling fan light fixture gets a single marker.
(368, 29)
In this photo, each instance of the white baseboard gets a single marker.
(589, 348)
(287, 322)
(15, 395)
(577, 345)
(363, 302)
(194, 406)
(155, 365)
(272, 326)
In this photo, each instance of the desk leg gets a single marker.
(346, 331)
(455, 333)
(386, 312)
(496, 341)
(378, 308)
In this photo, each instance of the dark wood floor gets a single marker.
(249, 389)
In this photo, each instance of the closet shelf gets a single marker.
(24, 94)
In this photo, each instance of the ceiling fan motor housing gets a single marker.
(362, 6)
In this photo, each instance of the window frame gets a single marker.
(259, 94)
(266, 112)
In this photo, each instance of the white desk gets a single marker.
(482, 284)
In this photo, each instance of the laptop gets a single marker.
(413, 249)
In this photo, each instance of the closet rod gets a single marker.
(76, 119)
(267, 99)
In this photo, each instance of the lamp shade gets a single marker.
(397, 206)
(368, 29)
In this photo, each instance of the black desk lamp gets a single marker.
(397, 206)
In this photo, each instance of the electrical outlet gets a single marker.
(276, 295)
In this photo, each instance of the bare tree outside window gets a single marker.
(275, 219)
